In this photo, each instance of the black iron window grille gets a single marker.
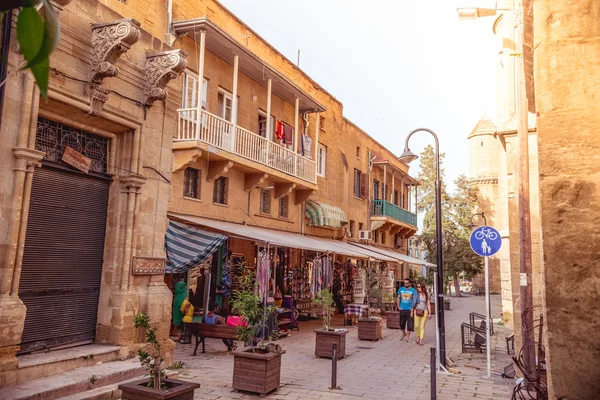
(265, 201)
(220, 191)
(53, 137)
(283, 206)
(191, 183)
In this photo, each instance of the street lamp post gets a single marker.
(406, 157)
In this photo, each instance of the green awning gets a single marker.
(323, 214)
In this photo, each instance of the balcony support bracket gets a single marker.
(395, 229)
(302, 195)
(217, 169)
(185, 157)
(253, 180)
(282, 189)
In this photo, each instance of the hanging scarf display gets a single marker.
(322, 274)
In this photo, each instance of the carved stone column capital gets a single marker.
(33, 157)
(132, 183)
(110, 41)
(60, 4)
(160, 69)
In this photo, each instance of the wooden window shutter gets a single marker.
(363, 185)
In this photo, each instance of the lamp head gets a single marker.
(465, 14)
(408, 156)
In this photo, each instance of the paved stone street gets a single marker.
(388, 369)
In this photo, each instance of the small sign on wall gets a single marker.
(148, 266)
(76, 160)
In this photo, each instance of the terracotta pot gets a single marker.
(392, 320)
(324, 341)
(176, 390)
(256, 372)
(370, 329)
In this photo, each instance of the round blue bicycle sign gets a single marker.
(486, 241)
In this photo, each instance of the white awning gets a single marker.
(394, 254)
(281, 238)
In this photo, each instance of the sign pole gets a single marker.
(488, 319)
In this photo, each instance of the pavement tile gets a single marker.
(387, 369)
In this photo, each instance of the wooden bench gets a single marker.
(203, 331)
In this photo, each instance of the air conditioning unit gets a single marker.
(365, 235)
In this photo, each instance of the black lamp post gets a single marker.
(407, 157)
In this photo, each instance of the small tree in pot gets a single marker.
(157, 386)
(327, 337)
(262, 361)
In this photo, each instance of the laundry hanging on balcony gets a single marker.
(187, 246)
(307, 146)
(323, 214)
(279, 134)
(288, 135)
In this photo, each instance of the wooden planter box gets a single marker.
(392, 320)
(370, 329)
(324, 341)
(256, 372)
(177, 390)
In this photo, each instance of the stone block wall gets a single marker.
(567, 76)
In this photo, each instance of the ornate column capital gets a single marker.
(160, 69)
(109, 40)
(132, 183)
(60, 4)
(33, 157)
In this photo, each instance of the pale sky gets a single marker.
(396, 65)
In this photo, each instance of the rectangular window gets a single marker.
(283, 206)
(191, 183)
(360, 226)
(351, 229)
(375, 189)
(357, 151)
(321, 159)
(396, 197)
(262, 125)
(395, 240)
(225, 102)
(376, 236)
(220, 190)
(322, 123)
(357, 185)
(382, 237)
(265, 201)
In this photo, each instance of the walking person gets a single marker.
(406, 302)
(422, 311)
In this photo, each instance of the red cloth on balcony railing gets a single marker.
(279, 134)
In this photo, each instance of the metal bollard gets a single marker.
(433, 362)
(334, 367)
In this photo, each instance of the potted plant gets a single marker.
(326, 337)
(446, 303)
(257, 369)
(156, 386)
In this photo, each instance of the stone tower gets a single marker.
(484, 163)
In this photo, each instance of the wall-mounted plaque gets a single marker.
(148, 266)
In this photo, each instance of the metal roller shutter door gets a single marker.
(62, 260)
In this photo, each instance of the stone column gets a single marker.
(567, 76)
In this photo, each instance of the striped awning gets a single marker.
(323, 214)
(187, 246)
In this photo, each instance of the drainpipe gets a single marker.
(5, 49)
(170, 38)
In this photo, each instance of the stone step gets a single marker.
(34, 366)
(75, 381)
(108, 392)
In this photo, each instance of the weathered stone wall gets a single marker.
(567, 76)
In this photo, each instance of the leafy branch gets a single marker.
(37, 36)
(151, 360)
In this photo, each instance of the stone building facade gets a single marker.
(88, 177)
(567, 76)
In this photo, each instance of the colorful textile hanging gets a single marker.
(262, 274)
(279, 133)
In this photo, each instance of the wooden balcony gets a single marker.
(226, 138)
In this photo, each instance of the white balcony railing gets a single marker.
(222, 134)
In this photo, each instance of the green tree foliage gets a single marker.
(152, 359)
(324, 299)
(38, 35)
(458, 258)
